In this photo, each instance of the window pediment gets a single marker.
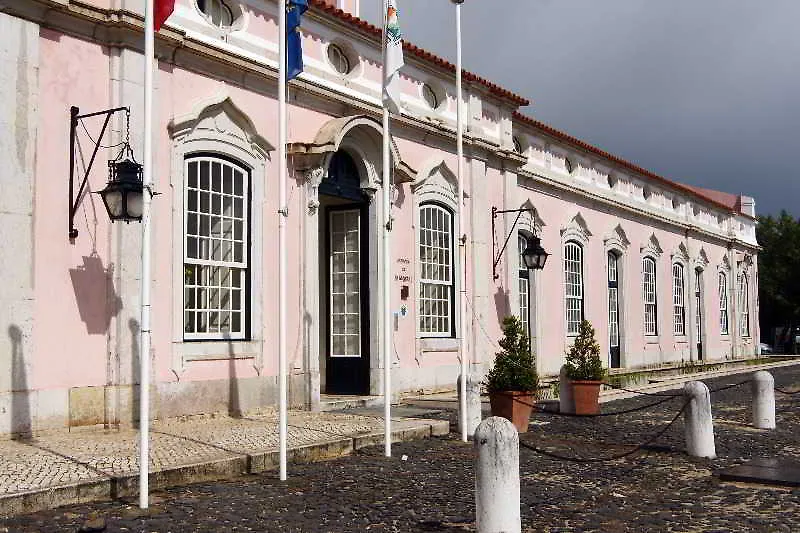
(577, 229)
(652, 247)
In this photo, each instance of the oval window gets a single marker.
(430, 96)
(338, 59)
(217, 12)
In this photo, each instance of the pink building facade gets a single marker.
(666, 273)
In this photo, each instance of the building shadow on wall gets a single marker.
(20, 396)
(133, 326)
(95, 295)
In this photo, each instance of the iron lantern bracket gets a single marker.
(74, 118)
(496, 258)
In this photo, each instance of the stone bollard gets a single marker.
(763, 387)
(497, 501)
(566, 403)
(697, 419)
(473, 403)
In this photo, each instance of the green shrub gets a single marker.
(514, 368)
(583, 357)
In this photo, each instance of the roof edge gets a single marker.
(686, 189)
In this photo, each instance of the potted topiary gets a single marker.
(585, 370)
(512, 381)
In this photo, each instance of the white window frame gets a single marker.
(227, 207)
(573, 279)
(743, 290)
(437, 274)
(678, 299)
(724, 325)
(201, 131)
(650, 296)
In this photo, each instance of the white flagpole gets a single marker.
(282, 215)
(461, 228)
(387, 304)
(144, 327)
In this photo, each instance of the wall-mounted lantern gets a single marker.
(534, 256)
(122, 195)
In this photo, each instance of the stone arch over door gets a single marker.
(360, 137)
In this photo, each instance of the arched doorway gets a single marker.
(344, 269)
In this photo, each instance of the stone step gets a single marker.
(338, 402)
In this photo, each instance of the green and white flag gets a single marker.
(392, 58)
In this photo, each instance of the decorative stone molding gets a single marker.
(313, 179)
(530, 221)
(681, 255)
(436, 182)
(700, 262)
(652, 247)
(577, 230)
(217, 118)
(617, 240)
(725, 264)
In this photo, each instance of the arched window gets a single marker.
(743, 305)
(437, 282)
(723, 303)
(524, 288)
(216, 248)
(678, 300)
(649, 296)
(573, 286)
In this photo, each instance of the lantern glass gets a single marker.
(134, 204)
(534, 255)
(113, 201)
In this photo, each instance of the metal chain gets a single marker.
(598, 415)
(726, 387)
(638, 447)
(617, 387)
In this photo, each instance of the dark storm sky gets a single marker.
(706, 92)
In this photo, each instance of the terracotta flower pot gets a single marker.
(586, 394)
(515, 406)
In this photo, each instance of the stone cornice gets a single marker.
(124, 29)
(616, 204)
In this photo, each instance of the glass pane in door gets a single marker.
(345, 284)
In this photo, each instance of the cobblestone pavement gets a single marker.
(659, 489)
(62, 458)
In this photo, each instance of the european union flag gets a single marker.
(294, 43)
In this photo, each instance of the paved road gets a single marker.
(432, 490)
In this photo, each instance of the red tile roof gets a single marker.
(723, 200)
(418, 52)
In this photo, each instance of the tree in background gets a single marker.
(779, 274)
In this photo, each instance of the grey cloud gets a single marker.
(703, 91)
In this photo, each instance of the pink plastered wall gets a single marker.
(72, 280)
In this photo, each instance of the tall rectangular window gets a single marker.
(573, 285)
(678, 300)
(216, 250)
(524, 288)
(723, 303)
(436, 284)
(743, 304)
(649, 296)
